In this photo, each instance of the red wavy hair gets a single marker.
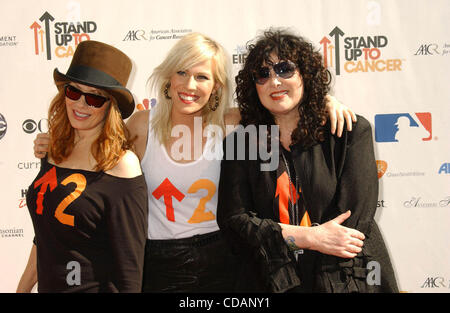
(107, 149)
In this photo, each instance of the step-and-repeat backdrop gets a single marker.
(390, 61)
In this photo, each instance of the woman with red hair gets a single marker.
(88, 203)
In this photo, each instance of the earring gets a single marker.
(216, 103)
(166, 91)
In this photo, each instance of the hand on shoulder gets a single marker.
(41, 145)
(232, 116)
(138, 125)
(128, 166)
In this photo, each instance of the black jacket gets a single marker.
(335, 175)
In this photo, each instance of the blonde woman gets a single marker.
(179, 145)
(88, 203)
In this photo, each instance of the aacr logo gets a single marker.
(434, 282)
(430, 49)
(433, 49)
(134, 35)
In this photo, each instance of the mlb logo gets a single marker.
(401, 127)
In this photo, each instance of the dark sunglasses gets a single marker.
(91, 99)
(283, 69)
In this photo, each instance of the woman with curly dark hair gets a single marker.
(299, 55)
(321, 180)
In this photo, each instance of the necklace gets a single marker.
(294, 207)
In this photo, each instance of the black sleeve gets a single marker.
(127, 228)
(358, 183)
(260, 238)
(357, 191)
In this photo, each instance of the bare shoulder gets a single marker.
(128, 166)
(232, 116)
(137, 124)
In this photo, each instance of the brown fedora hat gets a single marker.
(99, 65)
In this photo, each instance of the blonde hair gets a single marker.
(107, 149)
(192, 49)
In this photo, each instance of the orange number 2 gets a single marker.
(199, 214)
(80, 181)
(49, 180)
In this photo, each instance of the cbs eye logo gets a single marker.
(30, 126)
(3, 126)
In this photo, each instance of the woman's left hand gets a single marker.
(334, 239)
(339, 113)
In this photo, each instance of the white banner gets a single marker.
(390, 62)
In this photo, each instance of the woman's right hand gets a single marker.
(334, 239)
(41, 144)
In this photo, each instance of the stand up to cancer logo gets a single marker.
(361, 53)
(60, 38)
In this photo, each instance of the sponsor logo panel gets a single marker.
(30, 126)
(11, 233)
(3, 126)
(436, 282)
(155, 34)
(8, 41)
(433, 49)
(403, 127)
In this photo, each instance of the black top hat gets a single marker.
(99, 65)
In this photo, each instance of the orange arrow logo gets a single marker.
(168, 190)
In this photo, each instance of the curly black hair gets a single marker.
(316, 82)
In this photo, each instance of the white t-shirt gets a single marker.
(182, 196)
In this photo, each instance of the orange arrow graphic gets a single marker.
(168, 190)
(35, 26)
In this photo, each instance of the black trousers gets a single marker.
(202, 263)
